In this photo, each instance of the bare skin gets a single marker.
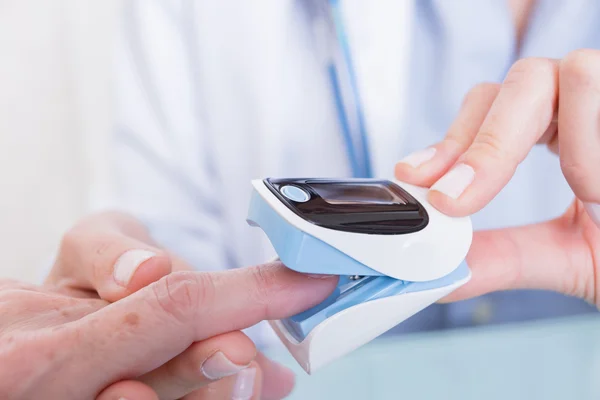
(85, 335)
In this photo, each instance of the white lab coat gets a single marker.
(212, 94)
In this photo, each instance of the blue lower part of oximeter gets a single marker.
(305, 253)
(350, 292)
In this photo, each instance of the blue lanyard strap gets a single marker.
(354, 134)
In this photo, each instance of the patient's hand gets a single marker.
(173, 338)
(553, 102)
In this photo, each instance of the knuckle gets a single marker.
(580, 175)
(573, 169)
(95, 250)
(489, 147)
(530, 69)
(181, 294)
(533, 66)
(104, 250)
(581, 67)
(78, 241)
(265, 283)
(264, 278)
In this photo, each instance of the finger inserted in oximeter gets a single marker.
(395, 255)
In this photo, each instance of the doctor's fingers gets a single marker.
(517, 119)
(579, 127)
(424, 167)
(200, 364)
(101, 257)
(152, 326)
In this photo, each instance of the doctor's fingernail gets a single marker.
(128, 263)
(244, 385)
(593, 211)
(454, 183)
(219, 366)
(419, 157)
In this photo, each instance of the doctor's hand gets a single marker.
(552, 102)
(175, 338)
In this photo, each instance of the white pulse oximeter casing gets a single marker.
(395, 255)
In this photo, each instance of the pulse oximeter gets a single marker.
(395, 254)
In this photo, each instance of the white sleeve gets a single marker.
(162, 163)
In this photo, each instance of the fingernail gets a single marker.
(244, 385)
(419, 157)
(128, 263)
(219, 366)
(454, 183)
(593, 211)
(319, 276)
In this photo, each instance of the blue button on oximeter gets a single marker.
(394, 253)
(294, 193)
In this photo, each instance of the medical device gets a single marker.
(394, 254)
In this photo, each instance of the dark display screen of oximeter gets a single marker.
(356, 205)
